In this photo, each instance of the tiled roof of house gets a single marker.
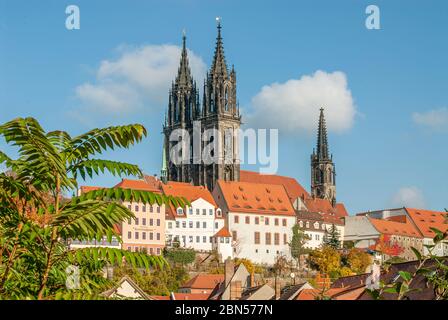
(258, 198)
(292, 187)
(426, 219)
(153, 181)
(395, 228)
(224, 233)
(136, 185)
(183, 296)
(188, 191)
(85, 189)
(313, 294)
(204, 281)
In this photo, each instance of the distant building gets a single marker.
(260, 218)
(126, 289)
(202, 283)
(199, 226)
(146, 232)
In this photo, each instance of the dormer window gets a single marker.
(316, 225)
(218, 212)
(180, 211)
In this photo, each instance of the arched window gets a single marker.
(180, 211)
(226, 99)
(218, 212)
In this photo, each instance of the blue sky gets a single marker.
(391, 152)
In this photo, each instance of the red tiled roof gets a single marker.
(85, 189)
(329, 213)
(406, 229)
(292, 187)
(153, 181)
(136, 185)
(426, 219)
(183, 296)
(312, 294)
(188, 191)
(204, 281)
(224, 232)
(256, 198)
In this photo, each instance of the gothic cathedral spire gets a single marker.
(323, 174)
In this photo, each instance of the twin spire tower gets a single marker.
(220, 111)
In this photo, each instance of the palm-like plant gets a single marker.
(36, 219)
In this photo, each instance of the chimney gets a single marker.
(235, 290)
(229, 269)
(277, 289)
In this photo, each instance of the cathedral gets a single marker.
(220, 111)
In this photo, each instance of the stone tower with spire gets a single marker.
(183, 110)
(219, 121)
(220, 111)
(323, 174)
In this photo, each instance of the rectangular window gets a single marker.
(227, 240)
(257, 237)
(129, 221)
(211, 239)
(216, 225)
(285, 238)
(234, 235)
(129, 206)
(158, 236)
(190, 238)
(236, 219)
(197, 211)
(151, 251)
(144, 208)
(268, 238)
(158, 251)
(151, 236)
(151, 209)
(276, 221)
(284, 222)
(158, 211)
(158, 222)
(151, 222)
(247, 220)
(190, 211)
(177, 224)
(144, 235)
(129, 234)
(204, 239)
(136, 221)
(129, 248)
(204, 224)
(198, 239)
(184, 224)
(277, 239)
(204, 212)
(210, 211)
(257, 220)
(190, 224)
(198, 224)
(144, 221)
(266, 221)
(136, 235)
(136, 208)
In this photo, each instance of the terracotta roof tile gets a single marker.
(426, 219)
(256, 198)
(136, 185)
(85, 189)
(183, 296)
(224, 232)
(395, 228)
(292, 187)
(204, 281)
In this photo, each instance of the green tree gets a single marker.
(180, 256)
(37, 220)
(297, 244)
(331, 237)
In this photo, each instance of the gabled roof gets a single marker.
(182, 296)
(223, 233)
(292, 187)
(188, 191)
(406, 229)
(110, 293)
(257, 198)
(204, 281)
(136, 185)
(313, 294)
(426, 219)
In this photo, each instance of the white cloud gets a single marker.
(140, 76)
(294, 106)
(409, 197)
(436, 119)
